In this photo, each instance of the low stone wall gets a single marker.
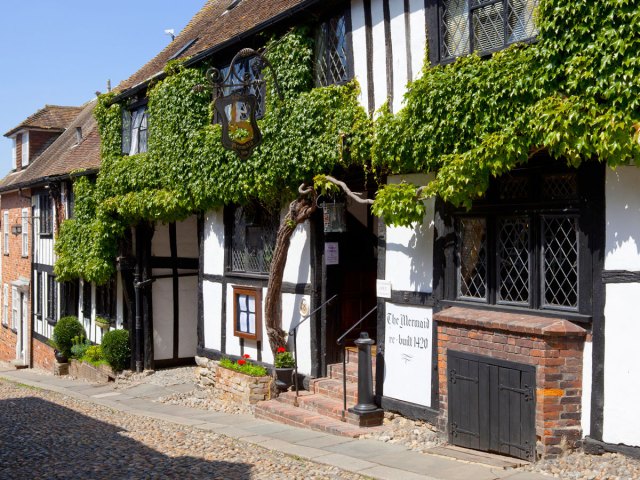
(101, 374)
(231, 385)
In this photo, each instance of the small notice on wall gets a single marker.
(331, 253)
(408, 332)
(383, 289)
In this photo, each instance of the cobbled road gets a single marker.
(46, 435)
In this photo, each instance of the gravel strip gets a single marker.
(47, 435)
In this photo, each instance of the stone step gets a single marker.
(333, 389)
(282, 412)
(352, 355)
(315, 402)
(334, 371)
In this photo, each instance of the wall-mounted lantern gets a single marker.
(333, 216)
(238, 109)
(16, 229)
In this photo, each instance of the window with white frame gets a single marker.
(484, 26)
(3, 299)
(15, 302)
(5, 304)
(5, 231)
(25, 232)
(134, 130)
(25, 149)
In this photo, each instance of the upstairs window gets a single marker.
(484, 26)
(46, 214)
(14, 153)
(134, 130)
(25, 149)
(331, 63)
(253, 238)
(106, 300)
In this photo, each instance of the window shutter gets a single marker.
(126, 131)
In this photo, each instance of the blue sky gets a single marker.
(61, 52)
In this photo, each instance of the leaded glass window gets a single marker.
(513, 260)
(484, 26)
(560, 261)
(253, 238)
(135, 124)
(472, 255)
(331, 52)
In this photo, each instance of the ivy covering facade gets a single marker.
(575, 92)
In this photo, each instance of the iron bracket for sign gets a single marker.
(237, 110)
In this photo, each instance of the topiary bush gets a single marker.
(116, 349)
(64, 332)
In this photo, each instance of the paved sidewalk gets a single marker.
(366, 457)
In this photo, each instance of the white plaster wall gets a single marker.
(187, 235)
(587, 376)
(379, 54)
(418, 36)
(399, 52)
(291, 313)
(211, 302)
(213, 243)
(298, 266)
(160, 244)
(623, 219)
(163, 316)
(232, 346)
(188, 326)
(621, 368)
(409, 255)
(359, 45)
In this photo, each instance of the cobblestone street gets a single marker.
(46, 435)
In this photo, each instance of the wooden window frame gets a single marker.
(45, 211)
(256, 293)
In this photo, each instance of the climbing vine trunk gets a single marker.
(299, 211)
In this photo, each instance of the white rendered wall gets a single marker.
(399, 52)
(621, 368)
(298, 266)
(188, 326)
(418, 36)
(409, 253)
(622, 309)
(161, 245)
(187, 237)
(213, 243)
(359, 46)
(162, 298)
(291, 313)
(379, 54)
(211, 296)
(623, 219)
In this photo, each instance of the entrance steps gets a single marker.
(321, 408)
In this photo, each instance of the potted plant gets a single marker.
(284, 363)
(103, 323)
(63, 334)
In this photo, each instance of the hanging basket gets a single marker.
(103, 323)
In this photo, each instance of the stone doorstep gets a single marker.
(314, 402)
(333, 389)
(281, 412)
(334, 371)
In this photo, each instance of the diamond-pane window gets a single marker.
(253, 238)
(513, 260)
(560, 186)
(472, 258)
(560, 261)
(484, 25)
(331, 54)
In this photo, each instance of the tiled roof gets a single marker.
(212, 26)
(64, 155)
(51, 117)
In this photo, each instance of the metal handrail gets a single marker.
(340, 341)
(293, 330)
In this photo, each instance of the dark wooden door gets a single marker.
(491, 404)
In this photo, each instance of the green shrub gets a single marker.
(64, 332)
(116, 349)
(94, 354)
(80, 346)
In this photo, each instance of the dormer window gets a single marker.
(14, 153)
(25, 149)
(134, 130)
(332, 56)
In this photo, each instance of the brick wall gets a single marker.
(38, 140)
(42, 355)
(553, 346)
(14, 266)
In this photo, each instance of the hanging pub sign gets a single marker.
(237, 100)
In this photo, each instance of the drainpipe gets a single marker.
(137, 285)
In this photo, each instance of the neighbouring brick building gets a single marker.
(34, 198)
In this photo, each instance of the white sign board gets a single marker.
(383, 289)
(331, 253)
(408, 353)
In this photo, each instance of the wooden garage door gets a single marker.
(491, 404)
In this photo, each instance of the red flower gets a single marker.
(246, 355)
(241, 362)
(281, 349)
